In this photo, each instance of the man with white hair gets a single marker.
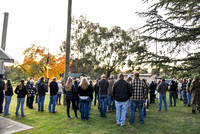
(53, 95)
(103, 92)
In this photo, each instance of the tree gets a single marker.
(175, 25)
(99, 48)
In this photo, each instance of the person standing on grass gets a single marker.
(188, 92)
(31, 93)
(111, 101)
(162, 89)
(53, 95)
(129, 79)
(96, 91)
(145, 101)
(21, 93)
(183, 88)
(103, 92)
(2, 88)
(59, 94)
(36, 94)
(70, 93)
(172, 92)
(42, 89)
(152, 88)
(121, 95)
(8, 96)
(85, 95)
(137, 96)
(195, 90)
(27, 97)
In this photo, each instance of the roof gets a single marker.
(77, 75)
(5, 57)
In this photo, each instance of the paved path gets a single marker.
(8, 126)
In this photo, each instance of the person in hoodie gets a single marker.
(21, 92)
(53, 95)
(172, 93)
(8, 96)
(2, 90)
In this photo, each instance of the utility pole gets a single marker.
(67, 45)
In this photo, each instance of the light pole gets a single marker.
(67, 45)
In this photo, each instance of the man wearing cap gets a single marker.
(195, 90)
(2, 86)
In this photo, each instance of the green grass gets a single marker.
(175, 120)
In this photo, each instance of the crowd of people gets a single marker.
(109, 94)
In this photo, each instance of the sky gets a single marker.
(44, 22)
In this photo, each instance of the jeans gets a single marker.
(96, 97)
(1, 102)
(7, 103)
(162, 97)
(127, 107)
(180, 93)
(84, 108)
(41, 103)
(111, 103)
(172, 95)
(184, 97)
(103, 105)
(58, 98)
(189, 99)
(52, 102)
(20, 101)
(135, 104)
(121, 112)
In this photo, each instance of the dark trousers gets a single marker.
(36, 98)
(58, 99)
(152, 97)
(31, 100)
(1, 102)
(27, 101)
(73, 105)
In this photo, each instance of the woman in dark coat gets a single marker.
(21, 92)
(8, 96)
(70, 93)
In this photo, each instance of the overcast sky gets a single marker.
(30, 20)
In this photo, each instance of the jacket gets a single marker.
(195, 90)
(110, 87)
(42, 88)
(21, 93)
(2, 86)
(162, 88)
(103, 87)
(9, 91)
(121, 91)
(70, 95)
(53, 88)
(87, 92)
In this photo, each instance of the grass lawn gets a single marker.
(175, 120)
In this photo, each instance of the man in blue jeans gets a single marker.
(103, 93)
(138, 92)
(121, 94)
(162, 89)
(53, 95)
(42, 89)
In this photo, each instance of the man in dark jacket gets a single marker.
(2, 86)
(152, 88)
(121, 94)
(183, 90)
(162, 89)
(53, 95)
(42, 89)
(103, 92)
